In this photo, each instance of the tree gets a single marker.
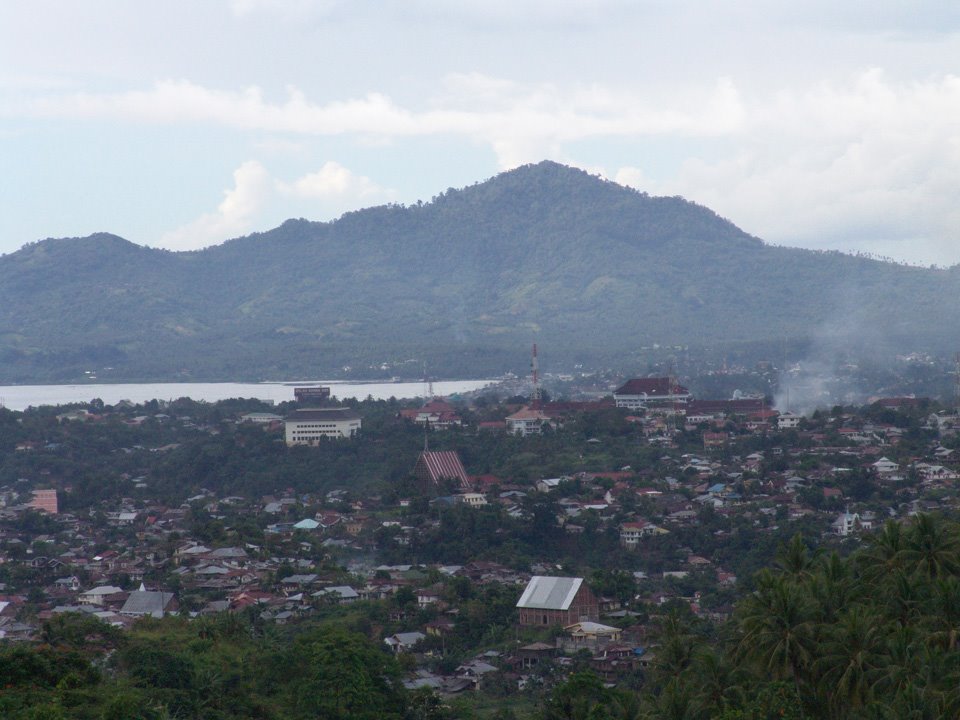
(931, 548)
(776, 629)
(850, 660)
(340, 674)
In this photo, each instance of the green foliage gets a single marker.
(162, 670)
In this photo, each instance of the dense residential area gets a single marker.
(497, 555)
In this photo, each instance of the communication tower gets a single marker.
(535, 371)
(956, 379)
(427, 384)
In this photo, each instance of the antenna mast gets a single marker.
(535, 371)
(427, 383)
(956, 387)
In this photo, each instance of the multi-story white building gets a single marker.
(527, 421)
(308, 427)
(632, 532)
(788, 421)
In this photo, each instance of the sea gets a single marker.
(20, 397)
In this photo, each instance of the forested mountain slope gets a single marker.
(466, 281)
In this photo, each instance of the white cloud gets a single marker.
(293, 9)
(866, 162)
(256, 198)
(867, 165)
(333, 180)
(234, 215)
(520, 122)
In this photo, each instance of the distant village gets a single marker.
(725, 481)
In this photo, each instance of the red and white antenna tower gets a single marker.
(535, 371)
(427, 383)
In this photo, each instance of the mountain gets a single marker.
(543, 253)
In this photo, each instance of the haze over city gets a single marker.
(182, 125)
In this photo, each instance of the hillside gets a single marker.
(467, 281)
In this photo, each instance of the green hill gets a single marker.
(543, 253)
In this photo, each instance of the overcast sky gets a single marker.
(821, 124)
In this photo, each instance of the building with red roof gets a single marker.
(435, 467)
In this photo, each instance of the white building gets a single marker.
(788, 421)
(308, 427)
(260, 418)
(97, 595)
(885, 466)
(472, 499)
(527, 421)
(631, 532)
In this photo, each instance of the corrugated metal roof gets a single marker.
(549, 593)
(442, 464)
(146, 602)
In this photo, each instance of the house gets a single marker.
(715, 439)
(429, 595)
(340, 594)
(788, 421)
(98, 595)
(527, 421)
(640, 393)
(848, 523)
(149, 602)
(631, 532)
(557, 601)
(548, 484)
(437, 413)
(435, 467)
(885, 466)
(472, 499)
(309, 427)
(71, 583)
(591, 635)
(44, 500)
(403, 642)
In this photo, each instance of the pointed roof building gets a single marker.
(435, 466)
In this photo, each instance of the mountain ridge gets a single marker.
(544, 252)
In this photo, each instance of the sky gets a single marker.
(825, 125)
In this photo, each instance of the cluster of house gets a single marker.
(568, 608)
(742, 465)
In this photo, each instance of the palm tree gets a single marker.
(677, 702)
(943, 618)
(911, 703)
(677, 649)
(832, 588)
(795, 559)
(902, 596)
(850, 660)
(932, 549)
(900, 663)
(883, 554)
(776, 630)
(718, 682)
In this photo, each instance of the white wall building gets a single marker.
(309, 427)
(527, 421)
